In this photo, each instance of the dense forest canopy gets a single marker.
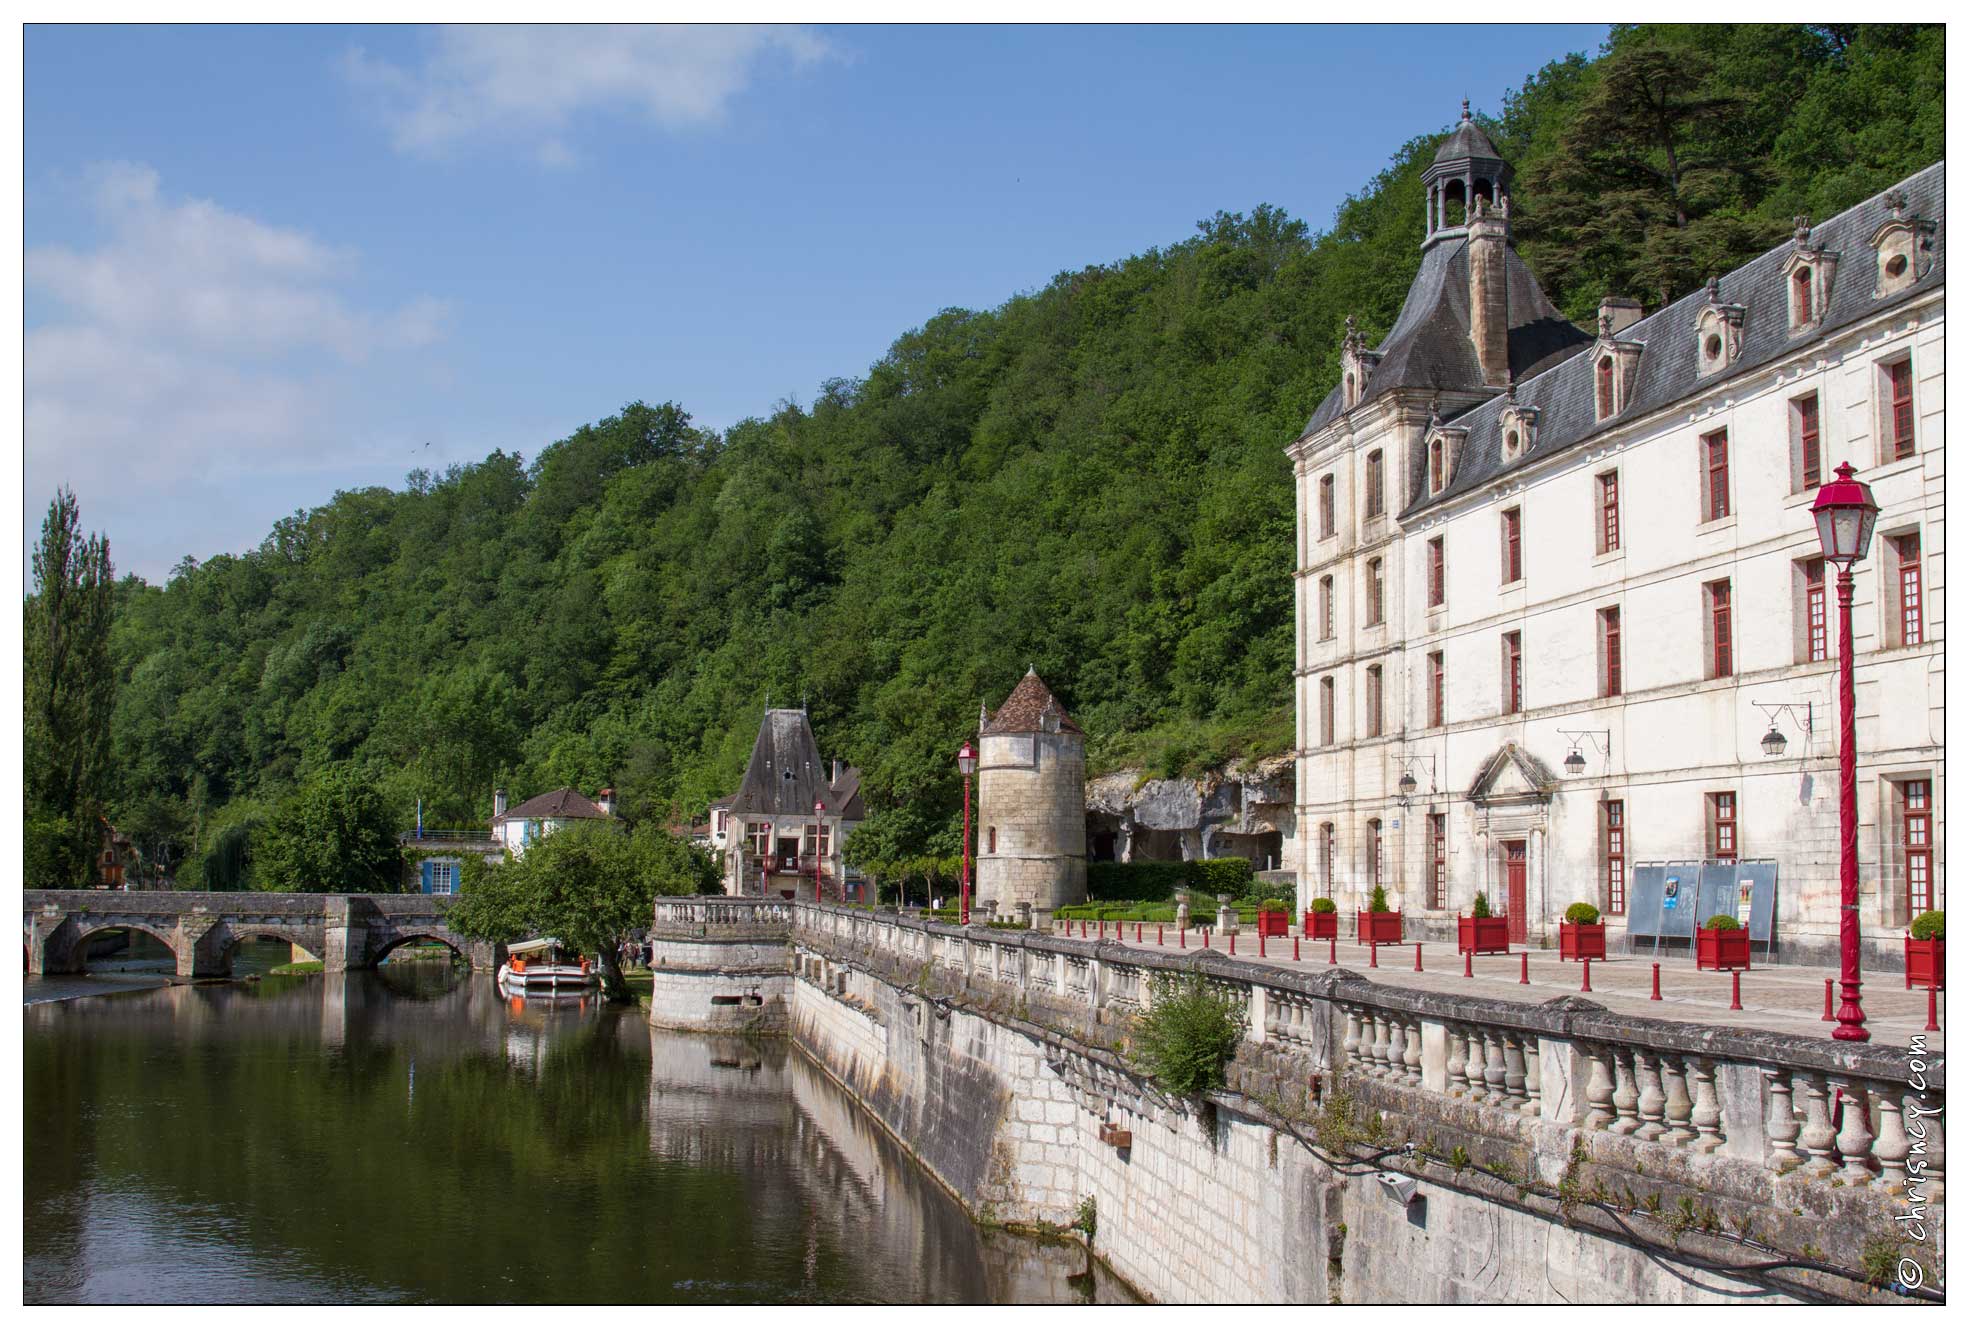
(1089, 478)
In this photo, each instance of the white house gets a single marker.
(516, 828)
(1518, 541)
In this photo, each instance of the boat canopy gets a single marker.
(534, 947)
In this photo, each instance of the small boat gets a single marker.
(543, 966)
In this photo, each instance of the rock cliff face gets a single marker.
(1242, 810)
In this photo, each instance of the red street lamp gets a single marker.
(1845, 511)
(819, 809)
(967, 765)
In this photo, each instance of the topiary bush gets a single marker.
(1927, 927)
(1274, 906)
(1189, 1031)
(1480, 908)
(1220, 876)
(1322, 906)
(1582, 912)
(1723, 923)
(1377, 903)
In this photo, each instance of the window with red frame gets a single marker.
(1326, 854)
(1610, 651)
(1326, 507)
(1436, 572)
(1814, 609)
(1801, 297)
(1907, 549)
(1436, 476)
(1374, 701)
(1326, 711)
(1439, 877)
(1375, 586)
(1916, 845)
(1805, 421)
(1435, 688)
(1373, 503)
(1613, 835)
(1373, 852)
(1326, 608)
(1603, 387)
(1514, 673)
(1513, 533)
(1609, 511)
(1722, 659)
(1900, 385)
(1723, 826)
(1716, 475)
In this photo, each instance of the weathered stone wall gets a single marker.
(719, 987)
(1032, 823)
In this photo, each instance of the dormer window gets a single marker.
(1808, 279)
(1444, 445)
(1719, 332)
(1615, 363)
(1437, 477)
(1903, 248)
(1517, 426)
(1603, 404)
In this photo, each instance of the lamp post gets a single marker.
(1845, 511)
(820, 809)
(967, 765)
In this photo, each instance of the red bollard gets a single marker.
(1333, 949)
(1466, 965)
(1183, 938)
(1418, 957)
(1655, 995)
(1261, 943)
(1295, 948)
(1931, 1026)
(1101, 929)
(1158, 934)
(1233, 943)
(1736, 989)
(1206, 939)
(1372, 963)
(1524, 967)
(1586, 974)
(1138, 934)
(1083, 928)
(1827, 1017)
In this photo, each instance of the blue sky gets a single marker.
(266, 263)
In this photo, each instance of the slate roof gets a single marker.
(1563, 393)
(1429, 346)
(1467, 141)
(1022, 710)
(567, 804)
(786, 776)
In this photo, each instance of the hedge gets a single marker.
(1159, 881)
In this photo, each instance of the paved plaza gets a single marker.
(1783, 998)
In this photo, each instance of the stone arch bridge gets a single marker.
(202, 928)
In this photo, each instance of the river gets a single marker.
(407, 1136)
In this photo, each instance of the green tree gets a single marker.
(333, 834)
(70, 692)
(591, 884)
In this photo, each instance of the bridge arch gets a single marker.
(70, 954)
(236, 933)
(457, 946)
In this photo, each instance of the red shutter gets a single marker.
(1909, 549)
(1615, 820)
(1439, 879)
(1605, 387)
(1609, 512)
(1808, 442)
(1514, 694)
(1916, 847)
(1436, 571)
(1716, 449)
(1900, 375)
(1513, 556)
(1723, 818)
(1610, 646)
(1435, 689)
(1721, 658)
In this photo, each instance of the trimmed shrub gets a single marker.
(1927, 927)
(1322, 906)
(1189, 1031)
(1220, 876)
(1481, 908)
(1134, 881)
(1582, 912)
(1274, 906)
(1723, 923)
(1378, 902)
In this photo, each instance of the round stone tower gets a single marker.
(1032, 803)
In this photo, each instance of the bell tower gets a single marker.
(1467, 168)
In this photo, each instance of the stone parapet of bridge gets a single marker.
(202, 928)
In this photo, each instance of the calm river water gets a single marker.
(406, 1135)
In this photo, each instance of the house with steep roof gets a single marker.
(790, 815)
(1555, 586)
(516, 828)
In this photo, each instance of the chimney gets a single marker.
(1617, 314)
(498, 804)
(606, 802)
(1490, 309)
(833, 773)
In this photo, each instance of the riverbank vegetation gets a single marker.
(1088, 478)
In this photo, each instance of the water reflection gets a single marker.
(407, 1135)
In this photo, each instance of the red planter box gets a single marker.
(1383, 928)
(1321, 926)
(1482, 936)
(1582, 941)
(1274, 925)
(1723, 950)
(1924, 962)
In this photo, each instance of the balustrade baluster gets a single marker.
(1455, 1082)
(1397, 1040)
(1855, 1138)
(1599, 1087)
(1677, 1105)
(1534, 1077)
(1351, 1046)
(1473, 1062)
(1377, 1049)
(1817, 1137)
(1493, 1067)
(1891, 1145)
(1650, 1100)
(1514, 1071)
(1625, 1096)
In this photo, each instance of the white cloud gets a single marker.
(195, 347)
(524, 84)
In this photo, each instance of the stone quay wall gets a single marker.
(1555, 1151)
(721, 966)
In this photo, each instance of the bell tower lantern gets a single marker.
(1467, 169)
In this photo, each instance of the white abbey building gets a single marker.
(1518, 540)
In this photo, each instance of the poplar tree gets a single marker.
(70, 690)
